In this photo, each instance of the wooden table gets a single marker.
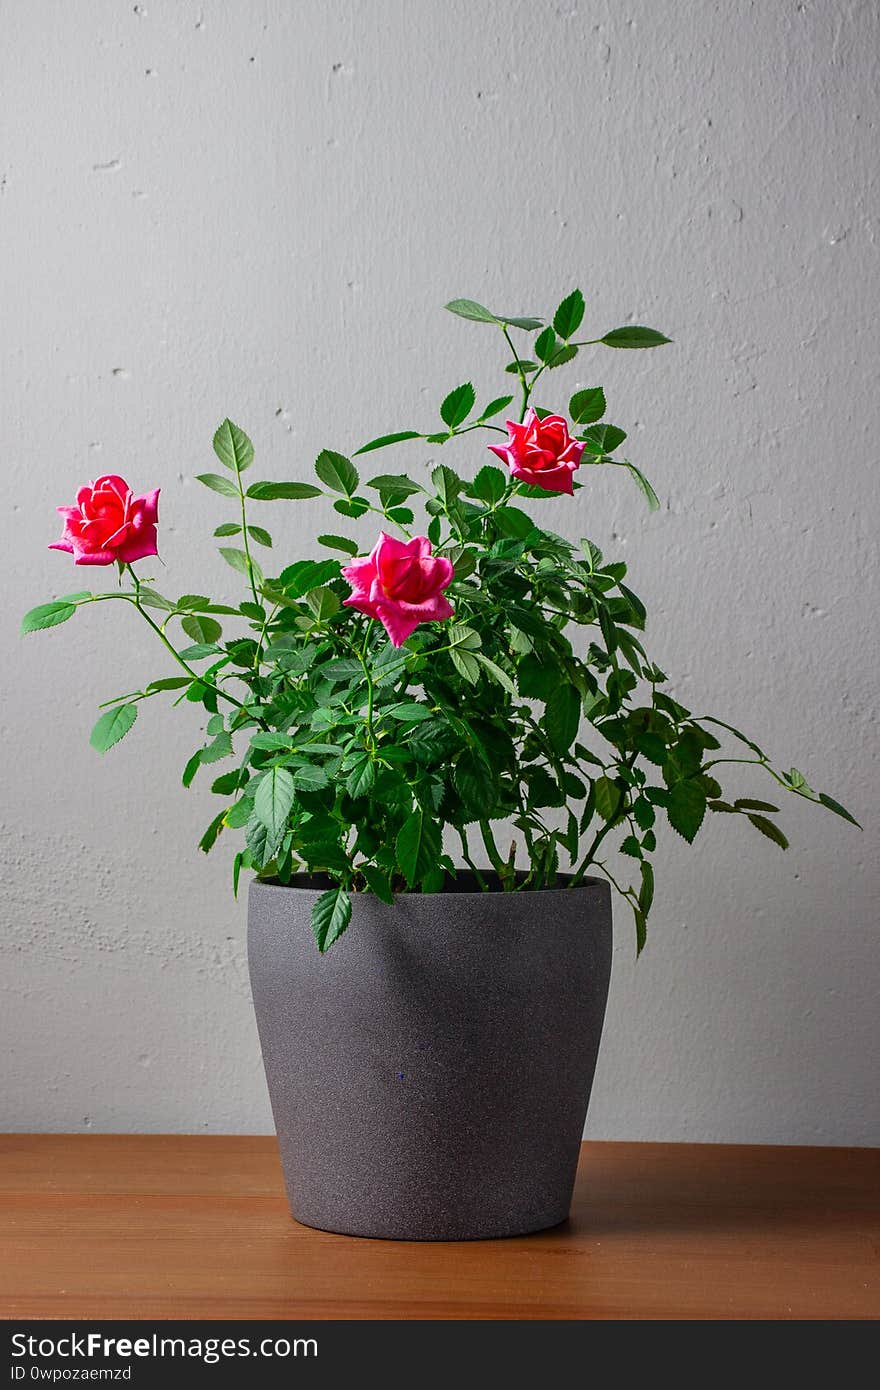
(170, 1226)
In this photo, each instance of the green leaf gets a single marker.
(47, 615)
(239, 561)
(351, 506)
(634, 336)
(257, 534)
(199, 652)
(418, 847)
(513, 523)
(304, 575)
(384, 440)
(498, 404)
(361, 778)
(218, 484)
(466, 665)
(770, 829)
(603, 439)
(195, 602)
(220, 748)
(489, 484)
(331, 915)
(233, 448)
(465, 638)
(229, 528)
(523, 365)
(201, 629)
(168, 683)
(277, 492)
(339, 543)
(644, 487)
(474, 784)
(337, 472)
(378, 882)
(408, 712)
(561, 717)
(838, 810)
(209, 839)
(499, 676)
(587, 406)
(529, 324)
(273, 801)
(192, 767)
(641, 928)
(151, 599)
(686, 809)
(470, 309)
(323, 603)
(112, 726)
(561, 356)
(569, 316)
(545, 344)
(646, 892)
(310, 778)
(458, 405)
(607, 796)
(394, 486)
(748, 803)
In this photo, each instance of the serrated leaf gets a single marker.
(418, 847)
(324, 603)
(168, 683)
(470, 309)
(603, 439)
(748, 803)
(634, 335)
(458, 405)
(337, 472)
(561, 356)
(192, 767)
(465, 638)
(232, 447)
(545, 344)
(395, 486)
(686, 808)
(378, 882)
(218, 484)
(339, 543)
(466, 665)
(229, 528)
(587, 406)
(607, 797)
(362, 778)
(474, 784)
(220, 748)
(239, 561)
(331, 915)
(257, 534)
(644, 486)
(561, 717)
(528, 324)
(310, 778)
(352, 507)
(282, 492)
(112, 726)
(569, 316)
(201, 629)
(499, 676)
(297, 579)
(838, 810)
(384, 440)
(494, 406)
(47, 615)
(770, 829)
(274, 800)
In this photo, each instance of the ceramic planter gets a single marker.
(430, 1075)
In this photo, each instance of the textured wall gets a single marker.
(259, 207)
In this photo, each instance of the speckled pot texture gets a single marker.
(430, 1075)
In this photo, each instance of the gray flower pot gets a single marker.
(430, 1075)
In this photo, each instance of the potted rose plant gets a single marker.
(371, 722)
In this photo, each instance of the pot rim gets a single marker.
(320, 883)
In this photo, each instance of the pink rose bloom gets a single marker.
(401, 583)
(109, 523)
(541, 452)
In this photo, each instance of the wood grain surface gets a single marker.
(180, 1226)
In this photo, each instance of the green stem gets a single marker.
(173, 650)
(522, 376)
(492, 849)
(465, 850)
(362, 658)
(245, 541)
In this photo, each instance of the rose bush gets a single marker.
(489, 672)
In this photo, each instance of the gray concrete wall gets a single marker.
(259, 208)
